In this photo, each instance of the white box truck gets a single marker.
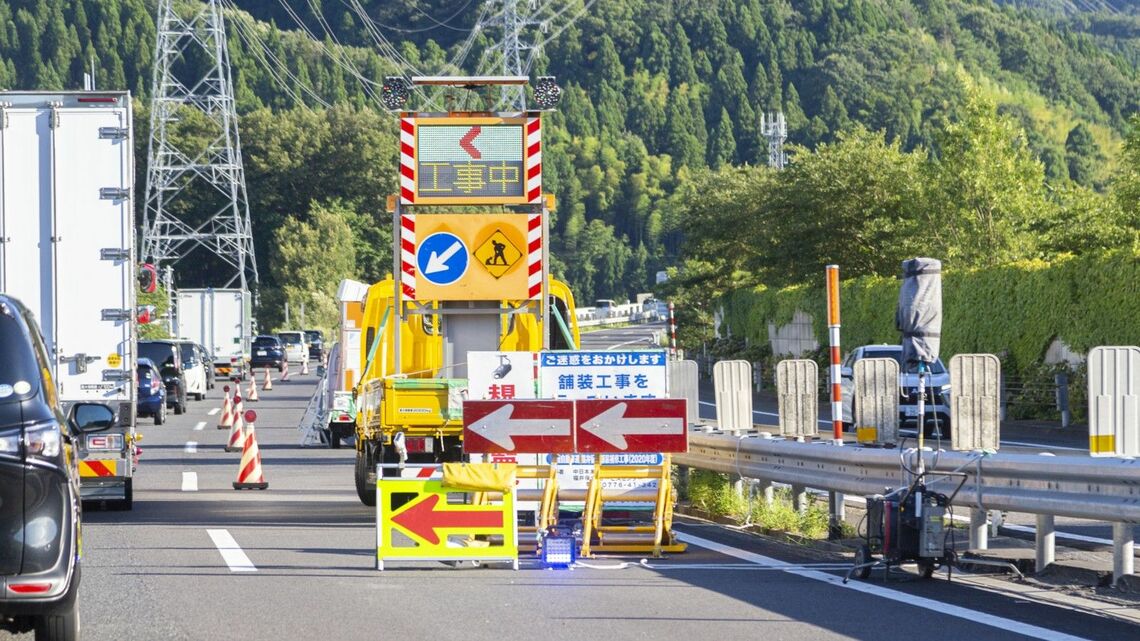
(67, 250)
(222, 321)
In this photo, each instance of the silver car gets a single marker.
(937, 412)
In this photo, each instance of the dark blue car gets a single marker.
(152, 392)
(267, 351)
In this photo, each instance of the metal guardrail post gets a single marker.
(838, 512)
(1122, 550)
(768, 491)
(799, 498)
(979, 534)
(1046, 541)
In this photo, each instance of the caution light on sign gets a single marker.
(547, 93)
(395, 92)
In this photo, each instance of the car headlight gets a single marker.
(10, 443)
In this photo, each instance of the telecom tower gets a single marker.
(192, 74)
(775, 129)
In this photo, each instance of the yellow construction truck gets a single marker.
(410, 394)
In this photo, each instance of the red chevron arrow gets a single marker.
(423, 519)
(469, 138)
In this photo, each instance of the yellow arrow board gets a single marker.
(430, 527)
(496, 250)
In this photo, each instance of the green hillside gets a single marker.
(658, 92)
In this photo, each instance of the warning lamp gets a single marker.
(547, 93)
(147, 314)
(395, 92)
(148, 278)
(559, 549)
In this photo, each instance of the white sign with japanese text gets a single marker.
(493, 376)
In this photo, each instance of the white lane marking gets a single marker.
(191, 447)
(199, 426)
(1060, 535)
(189, 481)
(994, 621)
(231, 552)
(214, 411)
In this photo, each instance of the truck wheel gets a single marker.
(62, 625)
(160, 415)
(365, 462)
(334, 438)
(179, 408)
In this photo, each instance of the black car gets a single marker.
(267, 351)
(316, 343)
(208, 363)
(39, 485)
(168, 356)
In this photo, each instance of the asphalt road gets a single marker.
(198, 560)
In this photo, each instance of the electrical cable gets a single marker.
(449, 19)
(262, 52)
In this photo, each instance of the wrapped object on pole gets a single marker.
(919, 313)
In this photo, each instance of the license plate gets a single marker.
(261, 352)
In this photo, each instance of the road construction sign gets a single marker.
(441, 524)
(470, 161)
(445, 245)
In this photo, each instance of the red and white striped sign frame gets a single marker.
(532, 160)
(534, 256)
(408, 255)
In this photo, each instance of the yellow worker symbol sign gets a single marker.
(497, 255)
(114, 360)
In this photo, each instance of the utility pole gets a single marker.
(775, 129)
(196, 201)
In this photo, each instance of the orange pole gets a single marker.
(833, 338)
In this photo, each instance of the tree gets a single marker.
(722, 146)
(1082, 155)
(310, 258)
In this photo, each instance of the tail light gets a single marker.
(155, 385)
(111, 442)
(29, 588)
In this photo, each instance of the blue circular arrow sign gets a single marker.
(442, 258)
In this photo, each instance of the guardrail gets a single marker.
(1047, 486)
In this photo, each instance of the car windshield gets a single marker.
(19, 377)
(291, 339)
(188, 359)
(265, 341)
(161, 353)
(935, 368)
(313, 335)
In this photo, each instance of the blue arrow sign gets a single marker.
(442, 258)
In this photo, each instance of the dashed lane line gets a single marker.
(189, 481)
(231, 552)
(214, 412)
(200, 426)
(191, 447)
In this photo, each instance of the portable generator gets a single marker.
(905, 526)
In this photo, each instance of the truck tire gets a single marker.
(62, 625)
(160, 415)
(365, 461)
(334, 438)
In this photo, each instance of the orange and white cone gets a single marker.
(305, 366)
(250, 476)
(237, 436)
(227, 418)
(239, 409)
(285, 374)
(268, 381)
(251, 394)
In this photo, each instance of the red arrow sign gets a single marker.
(423, 519)
(468, 138)
(518, 426)
(634, 425)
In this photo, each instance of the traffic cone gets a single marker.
(305, 367)
(268, 381)
(236, 436)
(239, 410)
(250, 476)
(227, 418)
(251, 395)
(285, 374)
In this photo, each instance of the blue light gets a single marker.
(559, 551)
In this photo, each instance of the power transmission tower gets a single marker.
(775, 129)
(511, 46)
(196, 199)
